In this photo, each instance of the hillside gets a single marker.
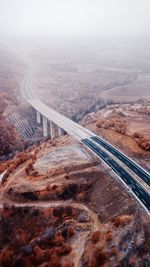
(126, 127)
(62, 207)
(10, 141)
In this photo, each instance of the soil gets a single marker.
(62, 207)
(135, 119)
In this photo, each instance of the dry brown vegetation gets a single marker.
(70, 210)
(117, 124)
(9, 138)
(47, 242)
(84, 227)
(120, 125)
(102, 249)
(51, 240)
(125, 126)
(11, 165)
(143, 141)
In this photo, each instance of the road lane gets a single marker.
(87, 138)
(136, 188)
(128, 162)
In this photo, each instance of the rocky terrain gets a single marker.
(10, 78)
(62, 207)
(79, 77)
(18, 127)
(126, 126)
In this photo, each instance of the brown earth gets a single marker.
(12, 72)
(62, 207)
(59, 205)
(10, 77)
(126, 127)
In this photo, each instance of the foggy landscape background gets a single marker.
(66, 176)
(74, 17)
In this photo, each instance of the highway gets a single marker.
(121, 172)
(126, 160)
(120, 164)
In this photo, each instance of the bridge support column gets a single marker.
(38, 116)
(60, 131)
(52, 130)
(45, 131)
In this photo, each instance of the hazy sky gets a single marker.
(73, 17)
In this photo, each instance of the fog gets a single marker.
(72, 17)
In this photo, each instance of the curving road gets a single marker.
(126, 169)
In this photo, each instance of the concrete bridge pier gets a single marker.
(38, 117)
(55, 131)
(52, 130)
(45, 128)
(60, 131)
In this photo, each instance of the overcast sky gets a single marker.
(73, 17)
